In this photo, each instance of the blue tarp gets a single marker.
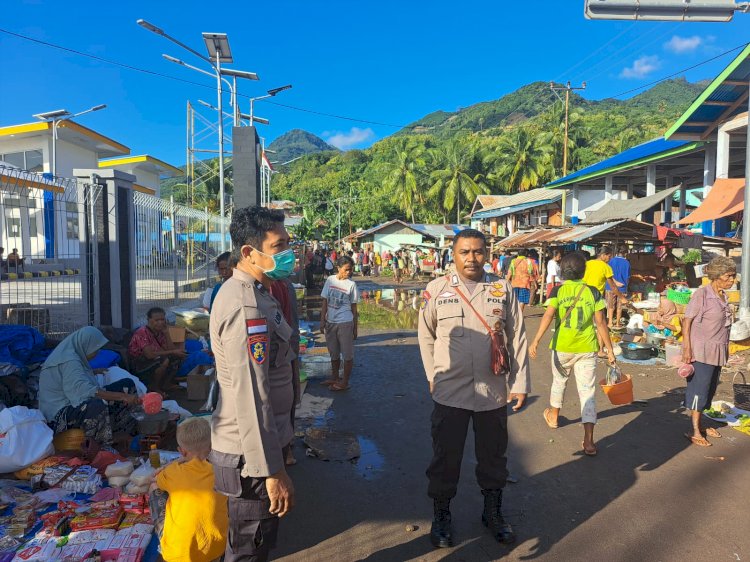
(21, 345)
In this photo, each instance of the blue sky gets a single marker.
(386, 62)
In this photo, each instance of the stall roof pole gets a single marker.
(745, 264)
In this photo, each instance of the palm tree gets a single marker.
(456, 178)
(404, 174)
(522, 161)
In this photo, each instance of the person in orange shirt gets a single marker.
(523, 275)
(193, 522)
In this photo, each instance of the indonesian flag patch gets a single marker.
(258, 326)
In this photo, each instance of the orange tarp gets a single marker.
(726, 197)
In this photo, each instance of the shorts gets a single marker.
(340, 340)
(551, 286)
(701, 386)
(523, 295)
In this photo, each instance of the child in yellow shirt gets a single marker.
(194, 518)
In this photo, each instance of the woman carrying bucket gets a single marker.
(578, 312)
(705, 343)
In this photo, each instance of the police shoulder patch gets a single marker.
(257, 348)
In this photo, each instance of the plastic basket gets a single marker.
(620, 393)
(678, 297)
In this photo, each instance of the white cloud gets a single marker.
(681, 45)
(641, 67)
(349, 139)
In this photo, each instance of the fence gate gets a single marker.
(47, 277)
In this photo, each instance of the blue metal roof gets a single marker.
(632, 156)
(724, 98)
(515, 208)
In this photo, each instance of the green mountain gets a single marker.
(295, 143)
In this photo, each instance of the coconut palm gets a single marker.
(404, 174)
(522, 161)
(456, 181)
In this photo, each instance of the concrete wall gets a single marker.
(588, 199)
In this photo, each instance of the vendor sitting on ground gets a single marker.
(153, 355)
(185, 531)
(70, 397)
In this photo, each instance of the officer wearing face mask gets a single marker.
(251, 425)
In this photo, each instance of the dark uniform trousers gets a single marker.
(252, 528)
(449, 427)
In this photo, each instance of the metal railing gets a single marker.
(46, 270)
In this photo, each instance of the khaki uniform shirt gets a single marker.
(455, 345)
(250, 340)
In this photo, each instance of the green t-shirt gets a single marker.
(578, 334)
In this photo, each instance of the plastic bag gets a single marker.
(25, 438)
(120, 468)
(213, 395)
(118, 481)
(115, 374)
(142, 476)
(133, 488)
(614, 375)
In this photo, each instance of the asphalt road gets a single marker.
(648, 495)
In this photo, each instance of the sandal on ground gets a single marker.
(338, 387)
(589, 452)
(550, 424)
(601, 355)
(713, 432)
(329, 382)
(700, 441)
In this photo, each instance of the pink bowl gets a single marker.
(685, 370)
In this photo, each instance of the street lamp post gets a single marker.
(217, 45)
(56, 117)
(271, 93)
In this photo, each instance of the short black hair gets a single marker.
(343, 260)
(470, 233)
(557, 253)
(249, 226)
(573, 266)
(622, 249)
(604, 250)
(155, 310)
(223, 257)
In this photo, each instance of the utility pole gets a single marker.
(567, 89)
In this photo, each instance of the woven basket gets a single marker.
(678, 297)
(741, 392)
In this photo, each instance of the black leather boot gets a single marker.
(441, 533)
(492, 517)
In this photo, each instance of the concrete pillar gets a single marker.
(709, 168)
(112, 284)
(608, 188)
(722, 154)
(651, 179)
(574, 203)
(629, 194)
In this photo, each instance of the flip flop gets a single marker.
(328, 382)
(700, 441)
(546, 419)
(713, 432)
(335, 387)
(589, 452)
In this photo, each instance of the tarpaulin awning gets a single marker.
(624, 209)
(726, 197)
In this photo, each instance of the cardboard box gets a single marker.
(178, 334)
(198, 383)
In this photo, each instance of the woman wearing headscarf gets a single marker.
(70, 396)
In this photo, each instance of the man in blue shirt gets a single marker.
(621, 270)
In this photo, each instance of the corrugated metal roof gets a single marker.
(522, 197)
(503, 211)
(627, 230)
(635, 156)
(438, 230)
(730, 87)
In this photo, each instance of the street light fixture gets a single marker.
(58, 116)
(664, 10)
(255, 119)
(217, 46)
(269, 94)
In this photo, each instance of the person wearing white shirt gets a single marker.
(553, 272)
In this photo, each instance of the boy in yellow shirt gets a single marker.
(195, 519)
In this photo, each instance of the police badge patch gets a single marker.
(257, 347)
(425, 299)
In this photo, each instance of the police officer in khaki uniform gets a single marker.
(251, 425)
(458, 313)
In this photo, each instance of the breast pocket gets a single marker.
(450, 321)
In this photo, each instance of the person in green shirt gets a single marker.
(578, 312)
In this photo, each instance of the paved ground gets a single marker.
(649, 495)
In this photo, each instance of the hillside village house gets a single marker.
(395, 234)
(25, 218)
(503, 215)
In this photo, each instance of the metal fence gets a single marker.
(176, 248)
(46, 269)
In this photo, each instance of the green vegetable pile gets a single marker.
(711, 413)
